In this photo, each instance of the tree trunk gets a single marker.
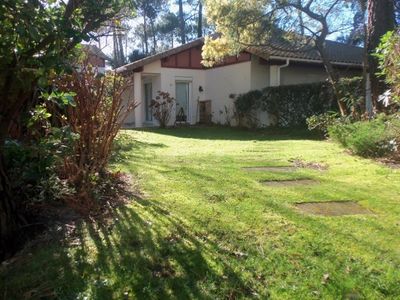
(181, 23)
(332, 75)
(380, 21)
(153, 30)
(121, 49)
(146, 43)
(8, 212)
(200, 20)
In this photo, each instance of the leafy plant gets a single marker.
(375, 138)
(245, 108)
(34, 165)
(96, 117)
(388, 54)
(162, 107)
(351, 92)
(293, 104)
(322, 122)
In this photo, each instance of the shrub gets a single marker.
(323, 121)
(291, 105)
(245, 107)
(34, 166)
(375, 138)
(96, 117)
(351, 91)
(388, 54)
(162, 107)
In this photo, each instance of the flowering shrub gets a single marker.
(162, 107)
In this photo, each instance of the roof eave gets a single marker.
(317, 61)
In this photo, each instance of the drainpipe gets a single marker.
(281, 67)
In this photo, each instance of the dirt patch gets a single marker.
(333, 208)
(271, 169)
(298, 163)
(391, 162)
(293, 182)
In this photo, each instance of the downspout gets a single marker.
(281, 67)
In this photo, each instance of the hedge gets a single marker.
(293, 104)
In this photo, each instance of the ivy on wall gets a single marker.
(291, 105)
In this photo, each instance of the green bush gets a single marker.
(245, 108)
(292, 105)
(375, 138)
(33, 166)
(323, 121)
(388, 54)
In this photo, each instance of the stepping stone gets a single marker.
(295, 182)
(272, 169)
(333, 208)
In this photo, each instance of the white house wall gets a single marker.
(221, 82)
(130, 119)
(195, 78)
(300, 74)
(259, 74)
(260, 79)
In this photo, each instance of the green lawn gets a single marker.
(206, 229)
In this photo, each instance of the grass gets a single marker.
(206, 229)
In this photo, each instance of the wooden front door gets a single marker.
(205, 112)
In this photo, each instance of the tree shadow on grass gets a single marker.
(142, 252)
(125, 147)
(228, 133)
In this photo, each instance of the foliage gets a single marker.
(37, 40)
(99, 110)
(388, 54)
(34, 166)
(322, 122)
(247, 23)
(290, 104)
(162, 107)
(293, 104)
(136, 55)
(245, 108)
(375, 138)
(351, 93)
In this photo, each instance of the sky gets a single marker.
(106, 43)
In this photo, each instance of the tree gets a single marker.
(148, 11)
(380, 20)
(118, 48)
(136, 55)
(253, 23)
(397, 12)
(168, 28)
(200, 20)
(181, 22)
(356, 36)
(37, 38)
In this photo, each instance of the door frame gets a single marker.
(189, 94)
(146, 105)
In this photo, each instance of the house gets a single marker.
(96, 57)
(204, 94)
